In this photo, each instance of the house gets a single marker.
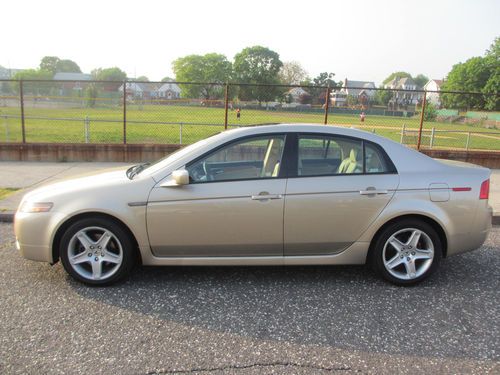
(168, 90)
(7, 73)
(72, 81)
(404, 98)
(361, 90)
(141, 90)
(295, 94)
(433, 85)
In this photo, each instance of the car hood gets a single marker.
(85, 182)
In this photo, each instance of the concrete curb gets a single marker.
(8, 217)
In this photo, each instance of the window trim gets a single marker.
(283, 167)
(293, 173)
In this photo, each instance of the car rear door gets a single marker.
(337, 187)
(233, 205)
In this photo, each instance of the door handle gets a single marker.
(265, 197)
(373, 191)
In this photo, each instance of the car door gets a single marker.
(337, 187)
(233, 205)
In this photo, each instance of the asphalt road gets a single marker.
(300, 320)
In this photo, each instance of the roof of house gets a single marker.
(63, 76)
(400, 83)
(7, 73)
(297, 91)
(169, 86)
(360, 86)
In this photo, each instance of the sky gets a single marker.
(355, 39)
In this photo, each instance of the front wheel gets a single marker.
(96, 251)
(407, 252)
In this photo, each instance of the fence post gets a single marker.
(327, 104)
(125, 112)
(431, 142)
(226, 103)
(403, 128)
(467, 142)
(7, 133)
(421, 120)
(86, 124)
(180, 133)
(21, 99)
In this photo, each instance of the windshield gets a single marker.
(171, 158)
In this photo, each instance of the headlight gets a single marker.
(31, 207)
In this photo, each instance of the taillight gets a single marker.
(484, 193)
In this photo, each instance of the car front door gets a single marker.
(337, 187)
(233, 205)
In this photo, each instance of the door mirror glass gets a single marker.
(181, 177)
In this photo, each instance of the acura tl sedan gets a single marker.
(266, 195)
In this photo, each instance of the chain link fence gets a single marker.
(183, 112)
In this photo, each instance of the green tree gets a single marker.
(420, 80)
(68, 66)
(383, 97)
(471, 75)
(326, 79)
(492, 87)
(49, 64)
(292, 73)
(109, 74)
(430, 112)
(167, 79)
(396, 74)
(55, 65)
(321, 81)
(258, 65)
(212, 67)
(142, 79)
(34, 88)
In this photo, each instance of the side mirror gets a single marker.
(181, 177)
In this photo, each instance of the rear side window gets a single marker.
(375, 162)
(329, 155)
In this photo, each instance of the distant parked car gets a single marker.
(270, 195)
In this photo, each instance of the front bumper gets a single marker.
(35, 233)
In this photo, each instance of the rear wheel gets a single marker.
(96, 251)
(407, 252)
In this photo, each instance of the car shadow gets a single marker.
(448, 315)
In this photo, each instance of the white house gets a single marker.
(403, 98)
(295, 93)
(168, 90)
(433, 85)
(363, 90)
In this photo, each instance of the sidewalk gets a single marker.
(27, 176)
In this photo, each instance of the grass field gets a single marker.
(146, 125)
(4, 192)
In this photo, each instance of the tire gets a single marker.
(97, 251)
(407, 252)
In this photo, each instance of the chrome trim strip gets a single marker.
(137, 204)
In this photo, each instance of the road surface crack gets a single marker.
(253, 365)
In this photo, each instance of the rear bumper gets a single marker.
(475, 237)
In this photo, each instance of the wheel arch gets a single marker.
(87, 215)
(428, 220)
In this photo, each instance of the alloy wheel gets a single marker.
(408, 253)
(95, 253)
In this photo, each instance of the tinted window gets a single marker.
(329, 155)
(256, 157)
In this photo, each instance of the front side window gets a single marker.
(324, 155)
(251, 158)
